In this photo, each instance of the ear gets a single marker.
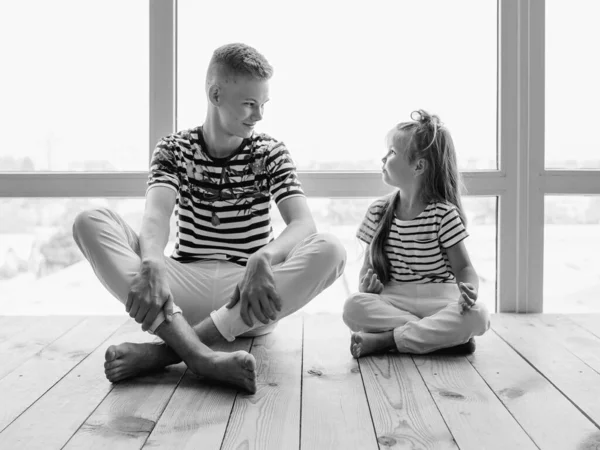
(214, 94)
(420, 166)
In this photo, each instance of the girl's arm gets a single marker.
(366, 263)
(466, 277)
(367, 279)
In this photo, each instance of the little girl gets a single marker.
(417, 286)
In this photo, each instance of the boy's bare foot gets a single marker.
(129, 360)
(363, 344)
(237, 369)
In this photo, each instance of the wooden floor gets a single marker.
(534, 382)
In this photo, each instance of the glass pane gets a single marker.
(572, 88)
(74, 85)
(343, 216)
(42, 271)
(571, 249)
(342, 81)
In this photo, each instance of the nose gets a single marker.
(384, 159)
(257, 113)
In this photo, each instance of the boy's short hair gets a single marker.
(238, 59)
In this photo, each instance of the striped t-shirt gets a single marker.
(223, 204)
(416, 248)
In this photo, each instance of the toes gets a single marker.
(112, 353)
(358, 338)
(251, 386)
(113, 375)
(108, 365)
(249, 363)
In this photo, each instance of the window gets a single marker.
(74, 85)
(572, 88)
(571, 246)
(347, 72)
(76, 100)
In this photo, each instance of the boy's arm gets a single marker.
(149, 290)
(154, 233)
(299, 225)
(258, 282)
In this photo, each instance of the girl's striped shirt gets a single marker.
(416, 248)
(223, 204)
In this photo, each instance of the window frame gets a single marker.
(520, 183)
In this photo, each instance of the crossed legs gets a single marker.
(414, 319)
(112, 248)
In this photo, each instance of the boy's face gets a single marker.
(242, 105)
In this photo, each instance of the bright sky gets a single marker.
(74, 84)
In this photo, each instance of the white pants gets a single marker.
(203, 288)
(424, 317)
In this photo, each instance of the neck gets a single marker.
(409, 205)
(220, 143)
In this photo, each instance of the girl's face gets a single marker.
(397, 171)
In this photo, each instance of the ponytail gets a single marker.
(378, 255)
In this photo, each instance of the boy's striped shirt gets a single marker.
(223, 204)
(416, 248)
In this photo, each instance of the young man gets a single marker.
(227, 275)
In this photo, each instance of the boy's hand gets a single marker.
(370, 283)
(149, 293)
(468, 297)
(257, 293)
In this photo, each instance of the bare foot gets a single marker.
(237, 369)
(363, 344)
(129, 360)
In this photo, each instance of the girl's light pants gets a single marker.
(423, 317)
(203, 288)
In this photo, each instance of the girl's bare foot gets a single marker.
(363, 344)
(129, 360)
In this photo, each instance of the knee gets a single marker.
(355, 310)
(85, 223)
(479, 319)
(332, 250)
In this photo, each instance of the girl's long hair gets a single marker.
(442, 182)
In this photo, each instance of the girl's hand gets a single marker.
(468, 297)
(370, 283)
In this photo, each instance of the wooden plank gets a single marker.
(475, 416)
(22, 387)
(335, 411)
(578, 340)
(67, 405)
(270, 419)
(25, 343)
(128, 414)
(548, 417)
(198, 413)
(10, 325)
(404, 414)
(545, 350)
(590, 322)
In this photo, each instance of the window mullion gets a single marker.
(521, 134)
(163, 59)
